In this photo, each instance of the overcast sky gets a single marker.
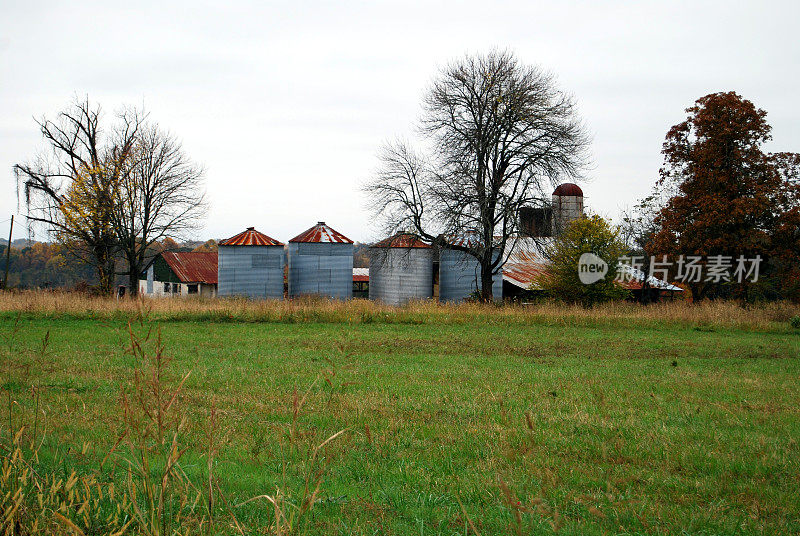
(286, 103)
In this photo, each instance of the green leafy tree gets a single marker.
(591, 234)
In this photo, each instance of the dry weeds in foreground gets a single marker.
(763, 317)
(156, 497)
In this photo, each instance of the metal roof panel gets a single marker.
(322, 232)
(401, 240)
(250, 237)
(193, 266)
(361, 274)
(524, 275)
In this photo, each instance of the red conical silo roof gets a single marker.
(250, 237)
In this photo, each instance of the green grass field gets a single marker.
(574, 427)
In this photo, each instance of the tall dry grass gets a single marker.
(761, 317)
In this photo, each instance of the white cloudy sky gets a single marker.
(286, 103)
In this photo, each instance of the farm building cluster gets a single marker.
(319, 262)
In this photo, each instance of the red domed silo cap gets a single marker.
(568, 189)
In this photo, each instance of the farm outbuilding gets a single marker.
(460, 273)
(525, 267)
(180, 273)
(528, 265)
(321, 263)
(251, 264)
(400, 270)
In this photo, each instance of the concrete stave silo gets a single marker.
(567, 206)
(400, 270)
(321, 263)
(250, 264)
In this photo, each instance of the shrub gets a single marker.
(585, 235)
(795, 322)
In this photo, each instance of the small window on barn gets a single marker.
(260, 261)
(166, 288)
(176, 288)
(191, 289)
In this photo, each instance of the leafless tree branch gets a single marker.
(502, 132)
(161, 194)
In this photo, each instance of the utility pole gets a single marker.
(8, 252)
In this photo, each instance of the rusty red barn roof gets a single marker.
(524, 275)
(401, 240)
(322, 232)
(568, 189)
(361, 275)
(250, 237)
(193, 266)
(528, 274)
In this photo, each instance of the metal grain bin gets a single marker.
(460, 277)
(321, 263)
(251, 264)
(400, 270)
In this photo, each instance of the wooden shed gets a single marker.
(180, 273)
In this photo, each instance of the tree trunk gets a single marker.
(105, 275)
(133, 283)
(486, 281)
(134, 269)
(699, 292)
(645, 291)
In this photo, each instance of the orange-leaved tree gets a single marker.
(70, 187)
(731, 198)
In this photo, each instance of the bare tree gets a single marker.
(637, 229)
(70, 187)
(160, 195)
(500, 133)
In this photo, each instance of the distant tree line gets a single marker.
(37, 265)
(46, 265)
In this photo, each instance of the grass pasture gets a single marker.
(457, 420)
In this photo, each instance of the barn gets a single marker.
(180, 273)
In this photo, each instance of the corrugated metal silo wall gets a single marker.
(398, 275)
(460, 276)
(251, 271)
(323, 269)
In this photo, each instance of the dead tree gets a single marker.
(500, 133)
(160, 195)
(70, 187)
